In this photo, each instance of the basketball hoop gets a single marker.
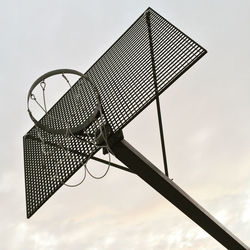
(93, 129)
(57, 125)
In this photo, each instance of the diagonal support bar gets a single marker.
(111, 164)
(156, 93)
(173, 193)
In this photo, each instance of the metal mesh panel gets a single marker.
(124, 79)
(74, 108)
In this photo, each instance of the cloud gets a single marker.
(44, 240)
(245, 217)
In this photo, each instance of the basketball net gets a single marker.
(63, 128)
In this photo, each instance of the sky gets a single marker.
(206, 120)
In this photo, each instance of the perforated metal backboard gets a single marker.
(124, 79)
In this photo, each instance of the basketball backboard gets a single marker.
(124, 79)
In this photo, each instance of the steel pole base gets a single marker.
(173, 193)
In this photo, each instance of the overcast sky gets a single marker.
(206, 116)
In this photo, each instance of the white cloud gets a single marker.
(19, 235)
(44, 241)
(222, 216)
(245, 217)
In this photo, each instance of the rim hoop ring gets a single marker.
(74, 130)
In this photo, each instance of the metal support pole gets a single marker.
(173, 193)
(156, 93)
